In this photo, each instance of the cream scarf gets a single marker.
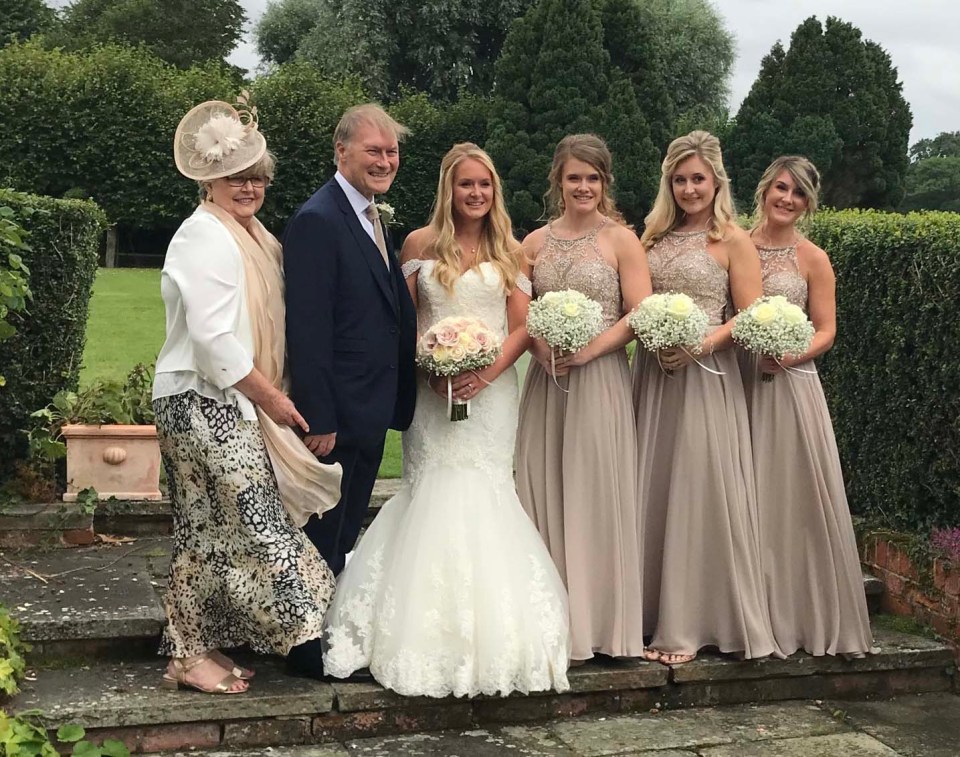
(306, 485)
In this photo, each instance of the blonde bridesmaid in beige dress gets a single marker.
(576, 444)
(703, 584)
(811, 566)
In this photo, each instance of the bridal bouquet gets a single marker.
(773, 326)
(668, 320)
(454, 345)
(566, 320)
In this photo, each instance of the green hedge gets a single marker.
(44, 355)
(892, 379)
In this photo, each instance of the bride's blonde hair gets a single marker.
(497, 244)
(665, 215)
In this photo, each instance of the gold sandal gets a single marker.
(227, 664)
(180, 679)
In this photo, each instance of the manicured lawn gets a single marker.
(125, 325)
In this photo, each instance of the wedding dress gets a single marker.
(451, 590)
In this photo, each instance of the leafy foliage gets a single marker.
(696, 54)
(834, 98)
(555, 78)
(945, 145)
(12, 650)
(44, 355)
(181, 32)
(23, 18)
(890, 378)
(933, 184)
(125, 103)
(127, 402)
(299, 109)
(441, 48)
(25, 735)
(14, 274)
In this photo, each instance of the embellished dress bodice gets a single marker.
(781, 274)
(578, 264)
(679, 262)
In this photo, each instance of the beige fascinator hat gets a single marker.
(216, 139)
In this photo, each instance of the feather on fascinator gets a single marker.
(216, 139)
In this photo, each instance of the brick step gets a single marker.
(63, 524)
(123, 701)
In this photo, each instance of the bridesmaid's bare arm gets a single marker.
(821, 300)
(745, 283)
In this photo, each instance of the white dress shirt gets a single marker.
(209, 344)
(359, 203)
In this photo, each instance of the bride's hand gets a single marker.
(469, 384)
(438, 384)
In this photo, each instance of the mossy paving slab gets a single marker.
(86, 593)
(897, 651)
(110, 696)
(694, 728)
(834, 745)
(922, 725)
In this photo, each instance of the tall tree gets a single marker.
(20, 19)
(555, 78)
(182, 32)
(697, 53)
(835, 98)
(440, 48)
(283, 26)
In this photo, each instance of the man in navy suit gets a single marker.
(351, 325)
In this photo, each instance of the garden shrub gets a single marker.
(891, 380)
(43, 356)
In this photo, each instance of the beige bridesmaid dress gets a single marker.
(702, 579)
(811, 566)
(576, 464)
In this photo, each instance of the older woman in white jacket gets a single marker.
(241, 481)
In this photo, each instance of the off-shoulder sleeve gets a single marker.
(524, 285)
(411, 267)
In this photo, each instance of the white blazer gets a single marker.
(209, 344)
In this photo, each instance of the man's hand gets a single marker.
(321, 444)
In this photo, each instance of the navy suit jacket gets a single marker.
(351, 325)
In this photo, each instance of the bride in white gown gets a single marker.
(451, 590)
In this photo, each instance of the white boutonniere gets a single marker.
(387, 212)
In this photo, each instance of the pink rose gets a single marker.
(484, 339)
(428, 341)
(447, 336)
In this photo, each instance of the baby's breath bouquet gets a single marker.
(566, 320)
(773, 326)
(454, 345)
(667, 320)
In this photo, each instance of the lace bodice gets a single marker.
(577, 264)
(781, 274)
(486, 439)
(477, 293)
(680, 263)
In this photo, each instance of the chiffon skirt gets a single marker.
(576, 477)
(702, 578)
(811, 566)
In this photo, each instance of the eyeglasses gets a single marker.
(257, 181)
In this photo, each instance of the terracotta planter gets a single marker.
(118, 461)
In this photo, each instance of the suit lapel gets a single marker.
(368, 248)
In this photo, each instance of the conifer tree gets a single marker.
(555, 78)
(834, 98)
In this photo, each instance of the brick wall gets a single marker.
(931, 598)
